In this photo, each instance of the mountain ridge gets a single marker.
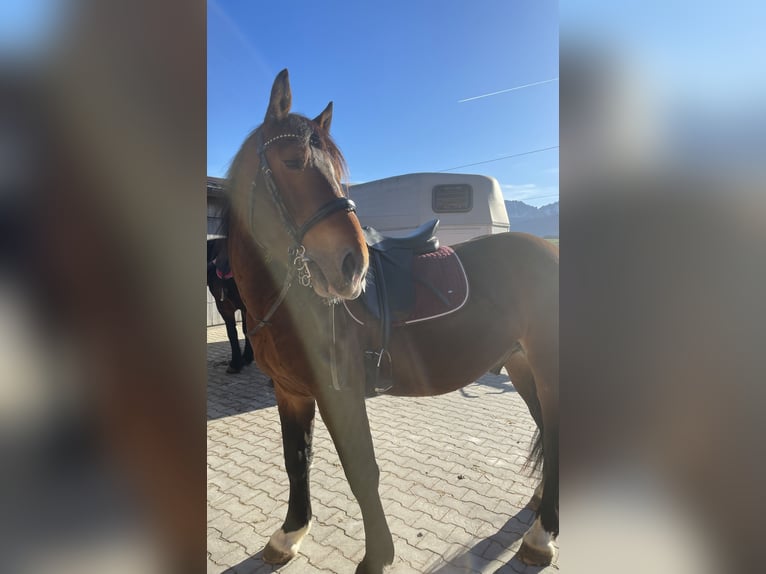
(541, 221)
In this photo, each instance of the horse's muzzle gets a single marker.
(343, 278)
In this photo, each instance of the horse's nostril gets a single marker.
(348, 268)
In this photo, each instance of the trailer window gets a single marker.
(453, 198)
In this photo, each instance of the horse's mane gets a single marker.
(294, 123)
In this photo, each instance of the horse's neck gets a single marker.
(268, 280)
(258, 275)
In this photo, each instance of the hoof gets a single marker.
(537, 546)
(274, 555)
(366, 569)
(378, 565)
(532, 556)
(283, 546)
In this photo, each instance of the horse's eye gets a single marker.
(293, 164)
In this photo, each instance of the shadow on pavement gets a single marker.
(233, 394)
(252, 565)
(492, 548)
(500, 382)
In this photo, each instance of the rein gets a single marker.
(297, 253)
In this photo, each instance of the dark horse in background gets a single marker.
(227, 300)
(297, 250)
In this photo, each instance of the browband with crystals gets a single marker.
(270, 141)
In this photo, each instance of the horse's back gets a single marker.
(516, 242)
(510, 256)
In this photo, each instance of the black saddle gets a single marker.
(422, 240)
(390, 291)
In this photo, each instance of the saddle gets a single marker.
(390, 289)
(410, 279)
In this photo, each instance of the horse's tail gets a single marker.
(535, 457)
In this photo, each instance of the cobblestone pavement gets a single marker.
(451, 483)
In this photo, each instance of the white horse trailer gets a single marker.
(467, 205)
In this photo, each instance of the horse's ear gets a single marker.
(281, 97)
(325, 118)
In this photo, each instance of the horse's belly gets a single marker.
(433, 366)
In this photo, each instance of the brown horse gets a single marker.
(296, 249)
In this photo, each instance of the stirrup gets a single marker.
(377, 383)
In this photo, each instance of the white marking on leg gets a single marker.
(538, 538)
(289, 542)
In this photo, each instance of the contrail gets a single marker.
(509, 90)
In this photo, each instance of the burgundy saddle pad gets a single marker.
(440, 285)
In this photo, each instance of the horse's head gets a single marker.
(287, 177)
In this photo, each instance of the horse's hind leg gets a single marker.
(297, 419)
(537, 546)
(524, 382)
(345, 415)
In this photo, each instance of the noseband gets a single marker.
(297, 252)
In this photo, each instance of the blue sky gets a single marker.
(396, 72)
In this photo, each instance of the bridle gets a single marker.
(297, 251)
(297, 232)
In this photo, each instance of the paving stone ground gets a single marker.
(452, 482)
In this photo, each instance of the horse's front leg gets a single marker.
(345, 416)
(296, 415)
